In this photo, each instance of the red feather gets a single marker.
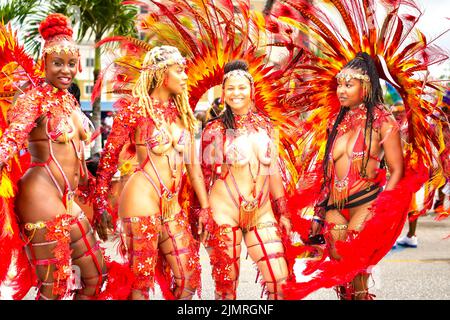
(367, 248)
(119, 282)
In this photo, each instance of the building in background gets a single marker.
(85, 79)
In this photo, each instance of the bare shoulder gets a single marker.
(383, 118)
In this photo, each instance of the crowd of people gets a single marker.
(165, 195)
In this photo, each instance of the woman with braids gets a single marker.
(47, 116)
(161, 125)
(241, 170)
(363, 133)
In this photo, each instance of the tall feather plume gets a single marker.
(17, 67)
(402, 55)
(402, 61)
(17, 72)
(210, 34)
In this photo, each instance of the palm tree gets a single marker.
(96, 19)
(17, 11)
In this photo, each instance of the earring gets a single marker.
(366, 90)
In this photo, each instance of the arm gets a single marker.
(195, 175)
(279, 202)
(22, 117)
(276, 182)
(211, 152)
(276, 188)
(124, 125)
(86, 186)
(393, 152)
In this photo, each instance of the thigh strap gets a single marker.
(142, 232)
(275, 291)
(266, 258)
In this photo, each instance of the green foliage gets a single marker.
(17, 10)
(95, 19)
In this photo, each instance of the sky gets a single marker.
(435, 19)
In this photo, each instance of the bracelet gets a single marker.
(318, 219)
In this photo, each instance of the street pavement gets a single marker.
(421, 273)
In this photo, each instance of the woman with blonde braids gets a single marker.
(161, 124)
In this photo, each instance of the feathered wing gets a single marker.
(401, 52)
(337, 30)
(212, 33)
(18, 72)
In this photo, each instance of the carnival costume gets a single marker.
(210, 34)
(396, 60)
(49, 243)
(150, 127)
(251, 147)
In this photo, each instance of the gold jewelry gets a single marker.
(347, 76)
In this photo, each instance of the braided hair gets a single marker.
(154, 67)
(373, 97)
(53, 25)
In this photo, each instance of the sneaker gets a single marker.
(405, 241)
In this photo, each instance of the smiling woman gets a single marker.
(61, 69)
(61, 55)
(159, 124)
(47, 116)
(246, 190)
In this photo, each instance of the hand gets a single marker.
(285, 223)
(202, 232)
(103, 225)
(205, 224)
(316, 227)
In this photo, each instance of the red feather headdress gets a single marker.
(402, 55)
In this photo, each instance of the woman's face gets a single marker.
(61, 69)
(237, 94)
(350, 93)
(176, 79)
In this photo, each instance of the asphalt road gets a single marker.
(420, 273)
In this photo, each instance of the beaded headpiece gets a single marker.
(162, 57)
(347, 76)
(238, 73)
(61, 44)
